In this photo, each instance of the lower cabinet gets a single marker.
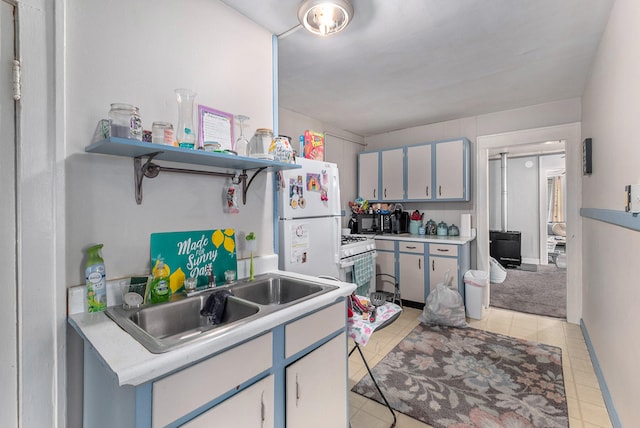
(443, 258)
(294, 375)
(385, 265)
(421, 266)
(411, 266)
(316, 390)
(183, 392)
(439, 266)
(251, 408)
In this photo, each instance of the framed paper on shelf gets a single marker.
(215, 129)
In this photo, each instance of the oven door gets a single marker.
(346, 270)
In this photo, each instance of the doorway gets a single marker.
(9, 314)
(529, 204)
(571, 134)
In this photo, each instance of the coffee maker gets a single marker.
(399, 221)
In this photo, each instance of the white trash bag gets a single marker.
(444, 306)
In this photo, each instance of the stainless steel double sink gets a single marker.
(166, 326)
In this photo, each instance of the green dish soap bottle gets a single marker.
(96, 280)
(160, 290)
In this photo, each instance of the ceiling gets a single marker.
(407, 63)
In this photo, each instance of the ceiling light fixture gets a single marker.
(325, 17)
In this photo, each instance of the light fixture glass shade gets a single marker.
(325, 17)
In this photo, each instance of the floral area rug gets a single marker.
(465, 377)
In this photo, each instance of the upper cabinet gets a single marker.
(392, 175)
(419, 180)
(452, 170)
(429, 172)
(368, 175)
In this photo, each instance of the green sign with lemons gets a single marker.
(194, 254)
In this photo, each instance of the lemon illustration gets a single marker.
(229, 244)
(176, 280)
(217, 238)
(229, 232)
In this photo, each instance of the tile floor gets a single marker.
(586, 406)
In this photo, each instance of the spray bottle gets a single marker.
(96, 280)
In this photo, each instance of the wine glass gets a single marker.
(242, 143)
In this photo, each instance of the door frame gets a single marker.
(571, 134)
(9, 329)
(40, 223)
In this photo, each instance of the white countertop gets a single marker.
(134, 365)
(433, 239)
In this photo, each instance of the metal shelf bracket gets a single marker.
(152, 170)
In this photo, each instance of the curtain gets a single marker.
(556, 199)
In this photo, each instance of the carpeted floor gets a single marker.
(464, 377)
(542, 293)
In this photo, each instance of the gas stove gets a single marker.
(353, 245)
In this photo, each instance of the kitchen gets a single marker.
(90, 198)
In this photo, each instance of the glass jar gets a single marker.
(260, 142)
(162, 133)
(135, 124)
(125, 121)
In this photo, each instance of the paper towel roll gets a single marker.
(465, 224)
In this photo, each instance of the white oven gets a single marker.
(358, 249)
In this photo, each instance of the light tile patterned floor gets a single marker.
(585, 403)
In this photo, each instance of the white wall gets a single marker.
(139, 52)
(141, 61)
(611, 293)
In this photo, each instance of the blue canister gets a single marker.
(414, 226)
(453, 230)
(443, 230)
(422, 230)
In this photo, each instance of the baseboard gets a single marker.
(531, 261)
(606, 395)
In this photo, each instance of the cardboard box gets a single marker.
(313, 145)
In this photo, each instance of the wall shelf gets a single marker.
(619, 218)
(138, 150)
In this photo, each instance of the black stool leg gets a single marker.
(375, 383)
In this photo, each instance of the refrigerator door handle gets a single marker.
(337, 232)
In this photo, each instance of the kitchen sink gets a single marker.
(182, 318)
(277, 290)
(163, 327)
(166, 326)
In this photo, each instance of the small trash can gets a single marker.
(476, 283)
(498, 273)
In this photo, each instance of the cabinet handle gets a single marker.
(262, 410)
(433, 265)
(420, 264)
(427, 190)
(374, 193)
(439, 190)
(443, 250)
(385, 192)
(411, 247)
(297, 390)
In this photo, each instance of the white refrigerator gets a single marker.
(309, 218)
